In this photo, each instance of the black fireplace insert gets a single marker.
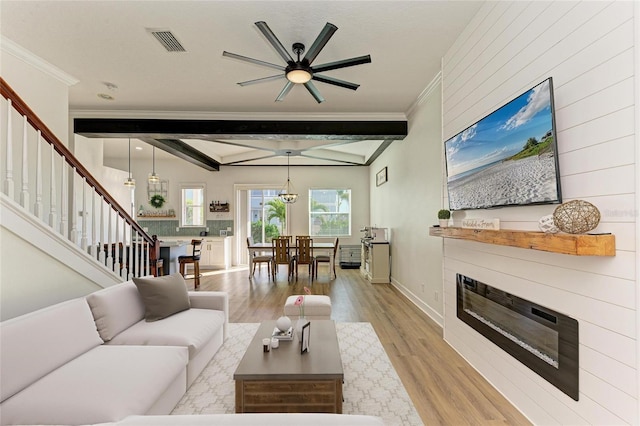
(544, 340)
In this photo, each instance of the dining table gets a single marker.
(323, 247)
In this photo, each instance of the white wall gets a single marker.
(29, 277)
(588, 49)
(30, 76)
(32, 279)
(408, 202)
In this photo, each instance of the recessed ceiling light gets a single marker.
(138, 148)
(106, 97)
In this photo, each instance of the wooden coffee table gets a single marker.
(284, 380)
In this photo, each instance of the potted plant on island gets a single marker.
(443, 217)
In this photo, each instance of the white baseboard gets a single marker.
(434, 315)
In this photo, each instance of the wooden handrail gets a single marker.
(50, 137)
(22, 108)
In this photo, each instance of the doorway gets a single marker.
(260, 214)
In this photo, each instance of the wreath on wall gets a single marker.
(157, 201)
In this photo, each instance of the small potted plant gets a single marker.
(443, 216)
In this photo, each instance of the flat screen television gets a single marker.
(508, 158)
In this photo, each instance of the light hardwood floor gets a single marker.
(444, 388)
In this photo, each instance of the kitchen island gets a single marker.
(170, 249)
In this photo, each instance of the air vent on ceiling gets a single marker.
(167, 39)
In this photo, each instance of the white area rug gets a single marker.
(371, 384)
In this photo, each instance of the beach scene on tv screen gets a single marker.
(507, 158)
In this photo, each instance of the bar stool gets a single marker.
(194, 259)
(159, 267)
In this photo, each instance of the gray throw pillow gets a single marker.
(162, 296)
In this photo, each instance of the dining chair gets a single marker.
(259, 258)
(325, 258)
(281, 256)
(194, 259)
(304, 254)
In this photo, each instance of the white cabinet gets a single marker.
(216, 253)
(374, 265)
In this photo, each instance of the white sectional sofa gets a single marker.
(95, 359)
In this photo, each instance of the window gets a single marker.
(329, 212)
(268, 215)
(192, 202)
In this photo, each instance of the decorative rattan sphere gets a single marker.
(546, 224)
(576, 217)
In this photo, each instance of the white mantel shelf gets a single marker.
(573, 244)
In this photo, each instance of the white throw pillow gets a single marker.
(116, 308)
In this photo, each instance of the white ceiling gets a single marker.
(100, 42)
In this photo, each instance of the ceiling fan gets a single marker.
(300, 71)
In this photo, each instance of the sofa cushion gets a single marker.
(163, 296)
(34, 344)
(193, 329)
(116, 308)
(105, 384)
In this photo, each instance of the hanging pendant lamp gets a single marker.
(130, 182)
(287, 194)
(153, 177)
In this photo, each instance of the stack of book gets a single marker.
(283, 335)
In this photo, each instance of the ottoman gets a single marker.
(316, 306)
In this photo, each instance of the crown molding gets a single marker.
(14, 49)
(433, 85)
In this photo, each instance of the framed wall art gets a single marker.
(381, 176)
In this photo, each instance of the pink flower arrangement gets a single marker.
(300, 301)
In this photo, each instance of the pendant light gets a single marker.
(153, 177)
(287, 194)
(130, 182)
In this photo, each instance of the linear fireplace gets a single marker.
(544, 340)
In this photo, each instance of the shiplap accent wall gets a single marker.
(588, 49)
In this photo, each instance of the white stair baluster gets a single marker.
(52, 190)
(83, 238)
(37, 208)
(94, 232)
(101, 234)
(110, 262)
(64, 200)
(73, 216)
(116, 244)
(8, 179)
(24, 194)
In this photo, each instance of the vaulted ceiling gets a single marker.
(124, 72)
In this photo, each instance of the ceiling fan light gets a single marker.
(299, 76)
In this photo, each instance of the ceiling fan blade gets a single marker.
(286, 89)
(342, 64)
(261, 80)
(320, 42)
(314, 92)
(271, 37)
(253, 61)
(335, 81)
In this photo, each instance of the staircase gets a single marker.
(42, 183)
